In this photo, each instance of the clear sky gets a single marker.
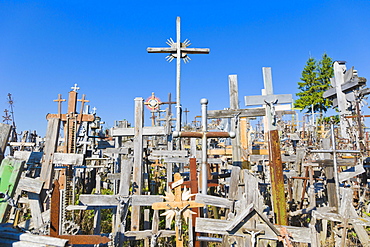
(48, 46)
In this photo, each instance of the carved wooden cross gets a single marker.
(177, 205)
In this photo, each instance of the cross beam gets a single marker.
(178, 50)
(204, 134)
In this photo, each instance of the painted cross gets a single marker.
(177, 205)
(178, 50)
(75, 88)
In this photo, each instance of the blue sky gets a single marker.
(48, 46)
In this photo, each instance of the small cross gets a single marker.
(177, 205)
(75, 88)
(83, 101)
(59, 100)
(94, 109)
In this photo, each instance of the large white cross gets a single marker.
(178, 50)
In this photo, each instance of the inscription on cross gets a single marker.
(178, 50)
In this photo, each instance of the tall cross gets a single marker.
(178, 50)
(276, 167)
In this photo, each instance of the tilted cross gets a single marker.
(178, 50)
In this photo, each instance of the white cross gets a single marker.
(94, 109)
(75, 88)
(178, 50)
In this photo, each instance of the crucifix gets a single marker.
(177, 205)
(178, 50)
(276, 166)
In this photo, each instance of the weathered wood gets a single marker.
(68, 159)
(30, 238)
(99, 200)
(137, 178)
(252, 112)
(147, 131)
(30, 185)
(5, 130)
(169, 153)
(145, 200)
(51, 140)
(35, 206)
(214, 201)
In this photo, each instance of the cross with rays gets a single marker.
(178, 50)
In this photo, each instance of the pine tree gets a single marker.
(315, 81)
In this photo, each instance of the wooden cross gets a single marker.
(139, 131)
(59, 100)
(178, 50)
(276, 166)
(177, 205)
(268, 98)
(235, 112)
(344, 85)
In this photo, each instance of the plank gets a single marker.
(10, 172)
(99, 200)
(170, 153)
(214, 201)
(51, 140)
(30, 185)
(252, 112)
(145, 200)
(68, 159)
(5, 130)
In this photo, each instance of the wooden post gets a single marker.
(5, 130)
(235, 124)
(138, 160)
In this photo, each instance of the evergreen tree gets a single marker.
(315, 81)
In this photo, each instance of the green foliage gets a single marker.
(314, 82)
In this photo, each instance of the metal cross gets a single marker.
(75, 88)
(178, 50)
